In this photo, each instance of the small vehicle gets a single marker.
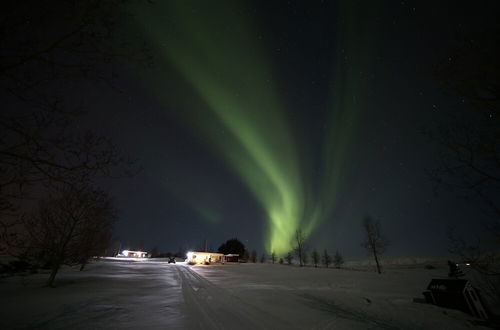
(171, 260)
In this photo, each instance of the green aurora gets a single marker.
(217, 50)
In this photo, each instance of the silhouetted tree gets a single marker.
(154, 252)
(469, 139)
(338, 260)
(273, 257)
(374, 242)
(48, 49)
(232, 246)
(253, 258)
(96, 237)
(245, 256)
(289, 258)
(326, 259)
(116, 248)
(68, 228)
(469, 142)
(300, 246)
(315, 258)
(281, 261)
(263, 258)
(482, 260)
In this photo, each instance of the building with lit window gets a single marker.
(205, 258)
(133, 254)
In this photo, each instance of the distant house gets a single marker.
(205, 258)
(232, 257)
(134, 254)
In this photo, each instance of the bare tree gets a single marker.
(154, 252)
(374, 242)
(245, 257)
(273, 257)
(305, 258)
(288, 258)
(326, 259)
(253, 256)
(94, 244)
(61, 42)
(338, 260)
(315, 258)
(483, 260)
(67, 228)
(300, 246)
(469, 140)
(47, 51)
(40, 164)
(116, 248)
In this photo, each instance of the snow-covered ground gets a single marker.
(157, 295)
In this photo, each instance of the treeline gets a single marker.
(373, 241)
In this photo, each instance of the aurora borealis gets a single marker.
(255, 118)
(220, 53)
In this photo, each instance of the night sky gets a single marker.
(257, 118)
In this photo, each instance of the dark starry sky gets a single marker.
(386, 168)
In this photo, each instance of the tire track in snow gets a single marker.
(212, 307)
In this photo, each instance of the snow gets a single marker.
(156, 295)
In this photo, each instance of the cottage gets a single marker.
(134, 254)
(205, 258)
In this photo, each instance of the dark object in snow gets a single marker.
(456, 294)
(429, 267)
(454, 270)
(171, 260)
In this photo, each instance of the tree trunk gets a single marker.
(53, 274)
(376, 261)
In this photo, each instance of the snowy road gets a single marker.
(107, 295)
(213, 307)
(157, 295)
